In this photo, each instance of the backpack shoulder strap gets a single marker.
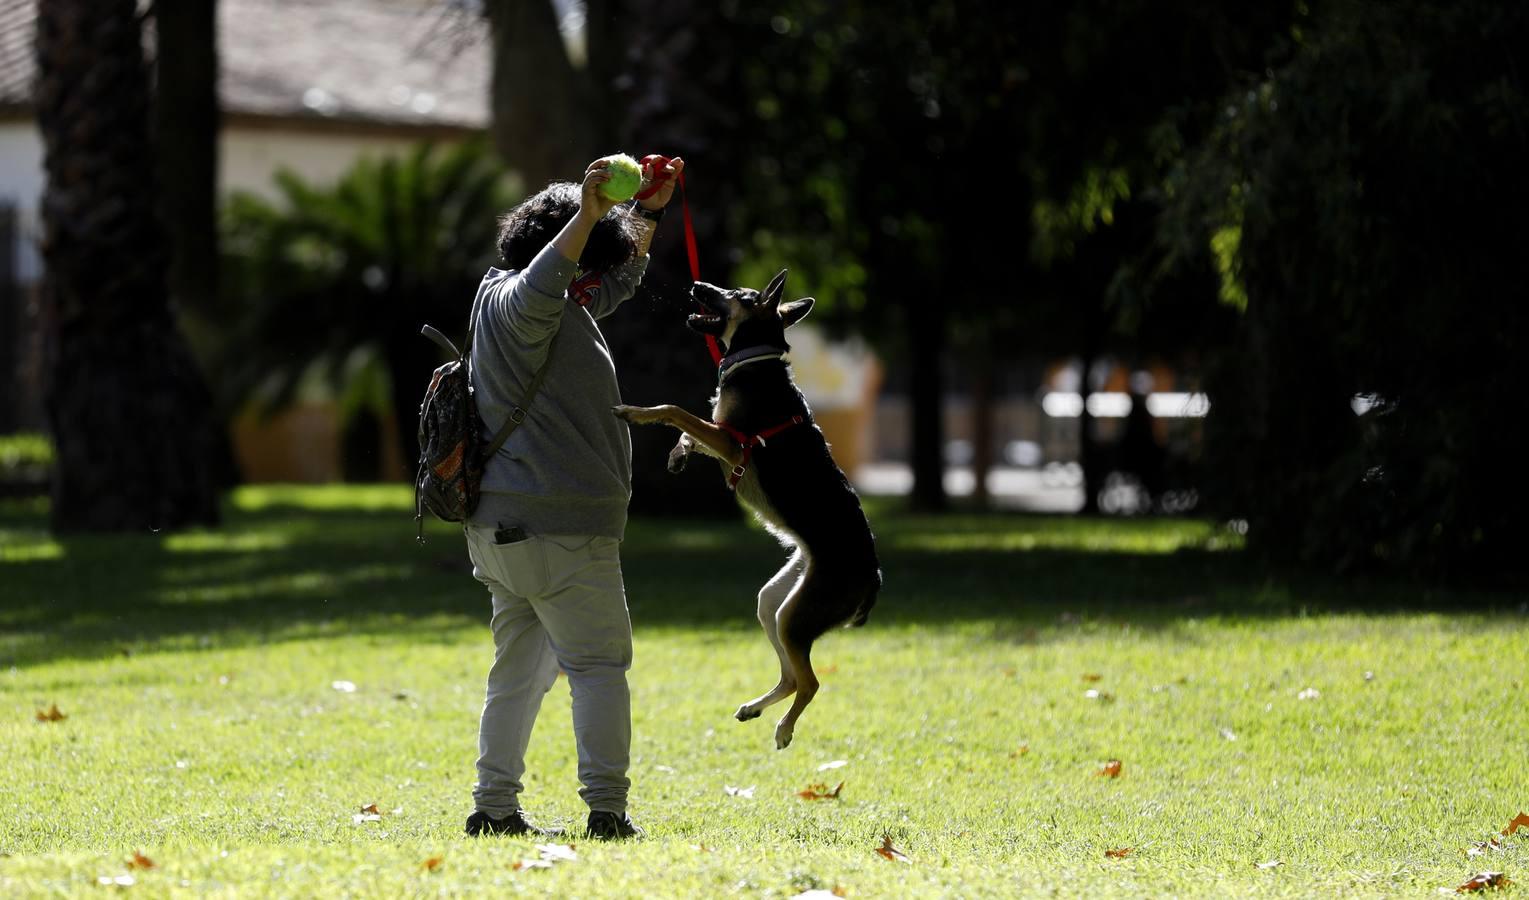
(518, 414)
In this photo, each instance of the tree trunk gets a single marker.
(1089, 457)
(187, 123)
(983, 404)
(926, 346)
(126, 403)
(546, 115)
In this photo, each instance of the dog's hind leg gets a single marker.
(771, 597)
(806, 615)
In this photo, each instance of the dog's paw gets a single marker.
(783, 731)
(678, 457)
(746, 712)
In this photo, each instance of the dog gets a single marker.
(778, 463)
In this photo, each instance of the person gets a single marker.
(546, 534)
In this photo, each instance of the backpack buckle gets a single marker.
(518, 415)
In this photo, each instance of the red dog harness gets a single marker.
(747, 442)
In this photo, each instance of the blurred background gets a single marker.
(1259, 262)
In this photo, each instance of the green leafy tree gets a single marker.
(328, 270)
(1359, 201)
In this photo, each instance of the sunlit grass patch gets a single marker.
(206, 718)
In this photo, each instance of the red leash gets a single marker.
(654, 163)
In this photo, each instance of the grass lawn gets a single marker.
(1362, 736)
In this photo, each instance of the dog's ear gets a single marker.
(795, 311)
(772, 291)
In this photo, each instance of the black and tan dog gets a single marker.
(777, 461)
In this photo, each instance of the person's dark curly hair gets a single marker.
(529, 227)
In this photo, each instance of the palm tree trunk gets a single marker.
(545, 112)
(126, 403)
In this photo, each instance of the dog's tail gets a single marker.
(867, 600)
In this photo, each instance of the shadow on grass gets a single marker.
(286, 571)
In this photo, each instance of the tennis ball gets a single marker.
(626, 177)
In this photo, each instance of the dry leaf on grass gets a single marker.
(51, 714)
(1119, 852)
(139, 861)
(433, 864)
(888, 851)
(700, 848)
(1520, 821)
(1271, 864)
(820, 792)
(344, 687)
(1484, 882)
(118, 880)
(1023, 749)
(557, 852)
(1111, 769)
(1481, 847)
(746, 793)
(1092, 676)
(532, 864)
(1101, 696)
(836, 764)
(368, 813)
(820, 894)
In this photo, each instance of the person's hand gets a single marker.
(592, 200)
(668, 177)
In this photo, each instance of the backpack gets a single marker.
(452, 452)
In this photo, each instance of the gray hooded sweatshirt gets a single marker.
(568, 468)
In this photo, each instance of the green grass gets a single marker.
(202, 727)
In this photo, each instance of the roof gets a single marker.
(382, 62)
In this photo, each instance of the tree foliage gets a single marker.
(325, 270)
(1359, 201)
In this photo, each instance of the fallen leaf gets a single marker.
(344, 687)
(836, 764)
(1308, 694)
(1119, 852)
(700, 848)
(1229, 734)
(371, 808)
(1111, 769)
(1010, 671)
(1369, 676)
(139, 861)
(1023, 749)
(532, 864)
(821, 894)
(1101, 696)
(1092, 676)
(1520, 821)
(890, 852)
(1481, 847)
(51, 714)
(368, 813)
(746, 793)
(557, 852)
(829, 670)
(1484, 881)
(1271, 864)
(820, 792)
(118, 880)
(432, 864)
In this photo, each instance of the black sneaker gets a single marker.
(609, 826)
(514, 824)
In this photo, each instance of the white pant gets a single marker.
(558, 602)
